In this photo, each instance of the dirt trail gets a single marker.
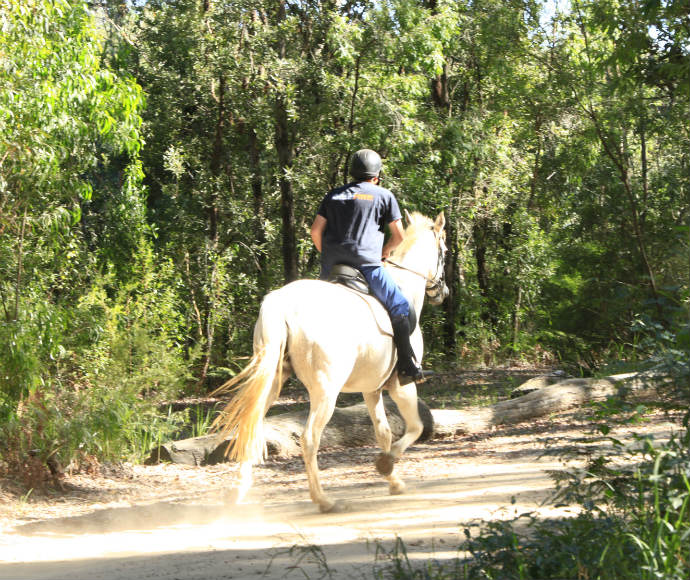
(170, 522)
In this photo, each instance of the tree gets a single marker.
(63, 117)
(624, 185)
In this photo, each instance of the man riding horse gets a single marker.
(349, 229)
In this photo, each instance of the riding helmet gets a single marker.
(365, 164)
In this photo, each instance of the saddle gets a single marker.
(350, 277)
(353, 279)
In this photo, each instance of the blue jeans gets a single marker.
(386, 290)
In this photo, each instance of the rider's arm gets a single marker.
(397, 236)
(317, 229)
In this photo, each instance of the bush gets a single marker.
(85, 383)
(634, 523)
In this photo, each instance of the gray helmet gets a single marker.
(365, 164)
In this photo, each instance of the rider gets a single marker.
(349, 229)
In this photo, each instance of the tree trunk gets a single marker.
(352, 427)
(516, 317)
(259, 210)
(284, 148)
(480, 236)
(216, 165)
(20, 266)
(440, 92)
(284, 142)
(544, 400)
(449, 304)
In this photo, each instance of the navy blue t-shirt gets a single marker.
(356, 215)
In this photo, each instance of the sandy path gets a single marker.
(170, 522)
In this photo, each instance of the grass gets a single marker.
(395, 564)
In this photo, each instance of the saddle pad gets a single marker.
(378, 311)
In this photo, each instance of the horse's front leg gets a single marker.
(405, 398)
(320, 411)
(385, 461)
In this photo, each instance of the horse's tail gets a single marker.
(255, 387)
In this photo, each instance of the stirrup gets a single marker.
(419, 376)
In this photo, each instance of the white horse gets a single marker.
(328, 337)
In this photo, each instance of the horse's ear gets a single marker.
(408, 217)
(440, 222)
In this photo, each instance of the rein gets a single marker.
(431, 283)
(392, 263)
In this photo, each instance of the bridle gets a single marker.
(434, 285)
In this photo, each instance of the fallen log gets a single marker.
(349, 427)
(543, 397)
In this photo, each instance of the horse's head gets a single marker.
(436, 288)
(429, 263)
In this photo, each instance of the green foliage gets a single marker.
(588, 546)
(85, 356)
(394, 564)
(665, 349)
(548, 144)
(160, 165)
(633, 520)
(97, 374)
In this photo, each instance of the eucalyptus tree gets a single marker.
(87, 319)
(63, 117)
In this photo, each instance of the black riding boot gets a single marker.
(408, 369)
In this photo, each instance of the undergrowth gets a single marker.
(633, 520)
(85, 384)
(633, 523)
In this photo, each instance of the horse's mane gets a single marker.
(416, 226)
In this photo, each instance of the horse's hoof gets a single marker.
(231, 496)
(397, 489)
(333, 507)
(385, 463)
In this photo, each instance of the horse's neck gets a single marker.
(413, 285)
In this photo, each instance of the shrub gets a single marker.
(634, 523)
(85, 382)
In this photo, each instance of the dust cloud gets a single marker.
(98, 545)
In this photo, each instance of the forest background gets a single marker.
(161, 163)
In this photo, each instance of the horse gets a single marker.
(326, 335)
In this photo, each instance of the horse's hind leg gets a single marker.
(377, 412)
(245, 480)
(406, 399)
(320, 412)
(246, 476)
